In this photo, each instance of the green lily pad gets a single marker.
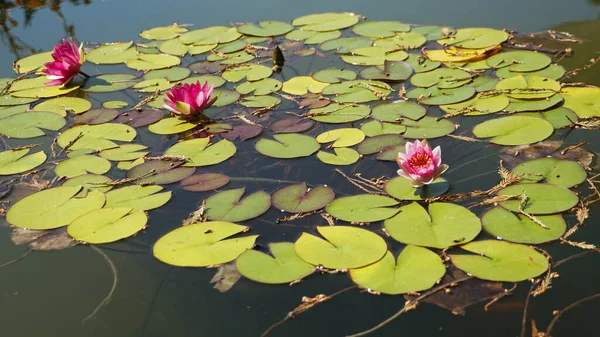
(334, 75)
(500, 261)
(171, 125)
(357, 91)
(553, 72)
(326, 21)
(390, 71)
(416, 269)
(346, 247)
(384, 145)
(484, 83)
(475, 38)
(163, 33)
(345, 44)
(400, 188)
(557, 172)
(53, 208)
(444, 78)
(109, 82)
(379, 29)
(287, 146)
(362, 208)
(112, 53)
(261, 87)
(32, 62)
(201, 49)
(171, 74)
(299, 198)
(341, 156)
(174, 47)
(13, 110)
(265, 28)
(30, 124)
(37, 88)
(231, 58)
(427, 128)
(200, 153)
(89, 182)
(252, 72)
(441, 226)
(229, 206)
(478, 105)
(514, 130)
(560, 117)
(259, 101)
(421, 63)
(210, 35)
(82, 165)
(584, 101)
(520, 229)
(312, 37)
(301, 85)
(534, 87)
(397, 111)
(520, 105)
(407, 40)
(542, 198)
(8, 100)
(160, 84)
(137, 197)
(232, 46)
(203, 182)
(17, 161)
(339, 113)
(96, 116)
(373, 56)
(125, 152)
(519, 61)
(431, 32)
(284, 267)
(203, 244)
(376, 128)
(225, 97)
(107, 225)
(341, 137)
(63, 105)
(96, 137)
(436, 96)
(159, 172)
(153, 61)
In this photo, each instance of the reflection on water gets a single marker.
(9, 21)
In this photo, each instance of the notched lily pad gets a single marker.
(363, 208)
(229, 206)
(203, 182)
(299, 198)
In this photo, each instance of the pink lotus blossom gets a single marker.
(420, 164)
(189, 100)
(68, 59)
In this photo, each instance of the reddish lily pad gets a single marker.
(96, 116)
(299, 198)
(160, 172)
(204, 182)
(139, 118)
(242, 131)
(229, 206)
(291, 125)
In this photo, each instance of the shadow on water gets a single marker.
(50, 294)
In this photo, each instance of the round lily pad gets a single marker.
(107, 225)
(159, 172)
(82, 165)
(553, 71)
(152, 61)
(436, 96)
(89, 182)
(63, 105)
(18, 161)
(560, 117)
(390, 71)
(163, 33)
(137, 197)
(373, 56)
(200, 153)
(382, 144)
(291, 125)
(584, 101)
(474, 38)
(312, 37)
(210, 35)
(534, 87)
(514, 130)
(363, 208)
(112, 53)
(401, 188)
(341, 137)
(203, 244)
(97, 137)
(32, 62)
(229, 206)
(500, 261)
(37, 88)
(53, 208)
(242, 131)
(478, 105)
(541, 198)
(441, 226)
(259, 101)
(334, 75)
(171, 125)
(520, 229)
(299, 198)
(345, 247)
(171, 74)
(96, 116)
(287, 146)
(265, 28)
(109, 82)
(376, 128)
(407, 40)
(557, 172)
(427, 128)
(341, 156)
(444, 78)
(519, 61)
(326, 21)
(397, 111)
(125, 152)
(421, 63)
(261, 87)
(252, 72)
(139, 118)
(30, 124)
(174, 47)
(520, 105)
(415, 269)
(300, 85)
(231, 58)
(345, 44)
(284, 266)
(380, 28)
(203, 182)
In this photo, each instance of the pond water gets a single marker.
(52, 293)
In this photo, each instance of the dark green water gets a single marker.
(49, 294)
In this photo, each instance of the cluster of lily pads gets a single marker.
(396, 81)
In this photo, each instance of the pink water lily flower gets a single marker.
(68, 59)
(189, 100)
(420, 164)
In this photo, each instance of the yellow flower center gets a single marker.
(420, 160)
